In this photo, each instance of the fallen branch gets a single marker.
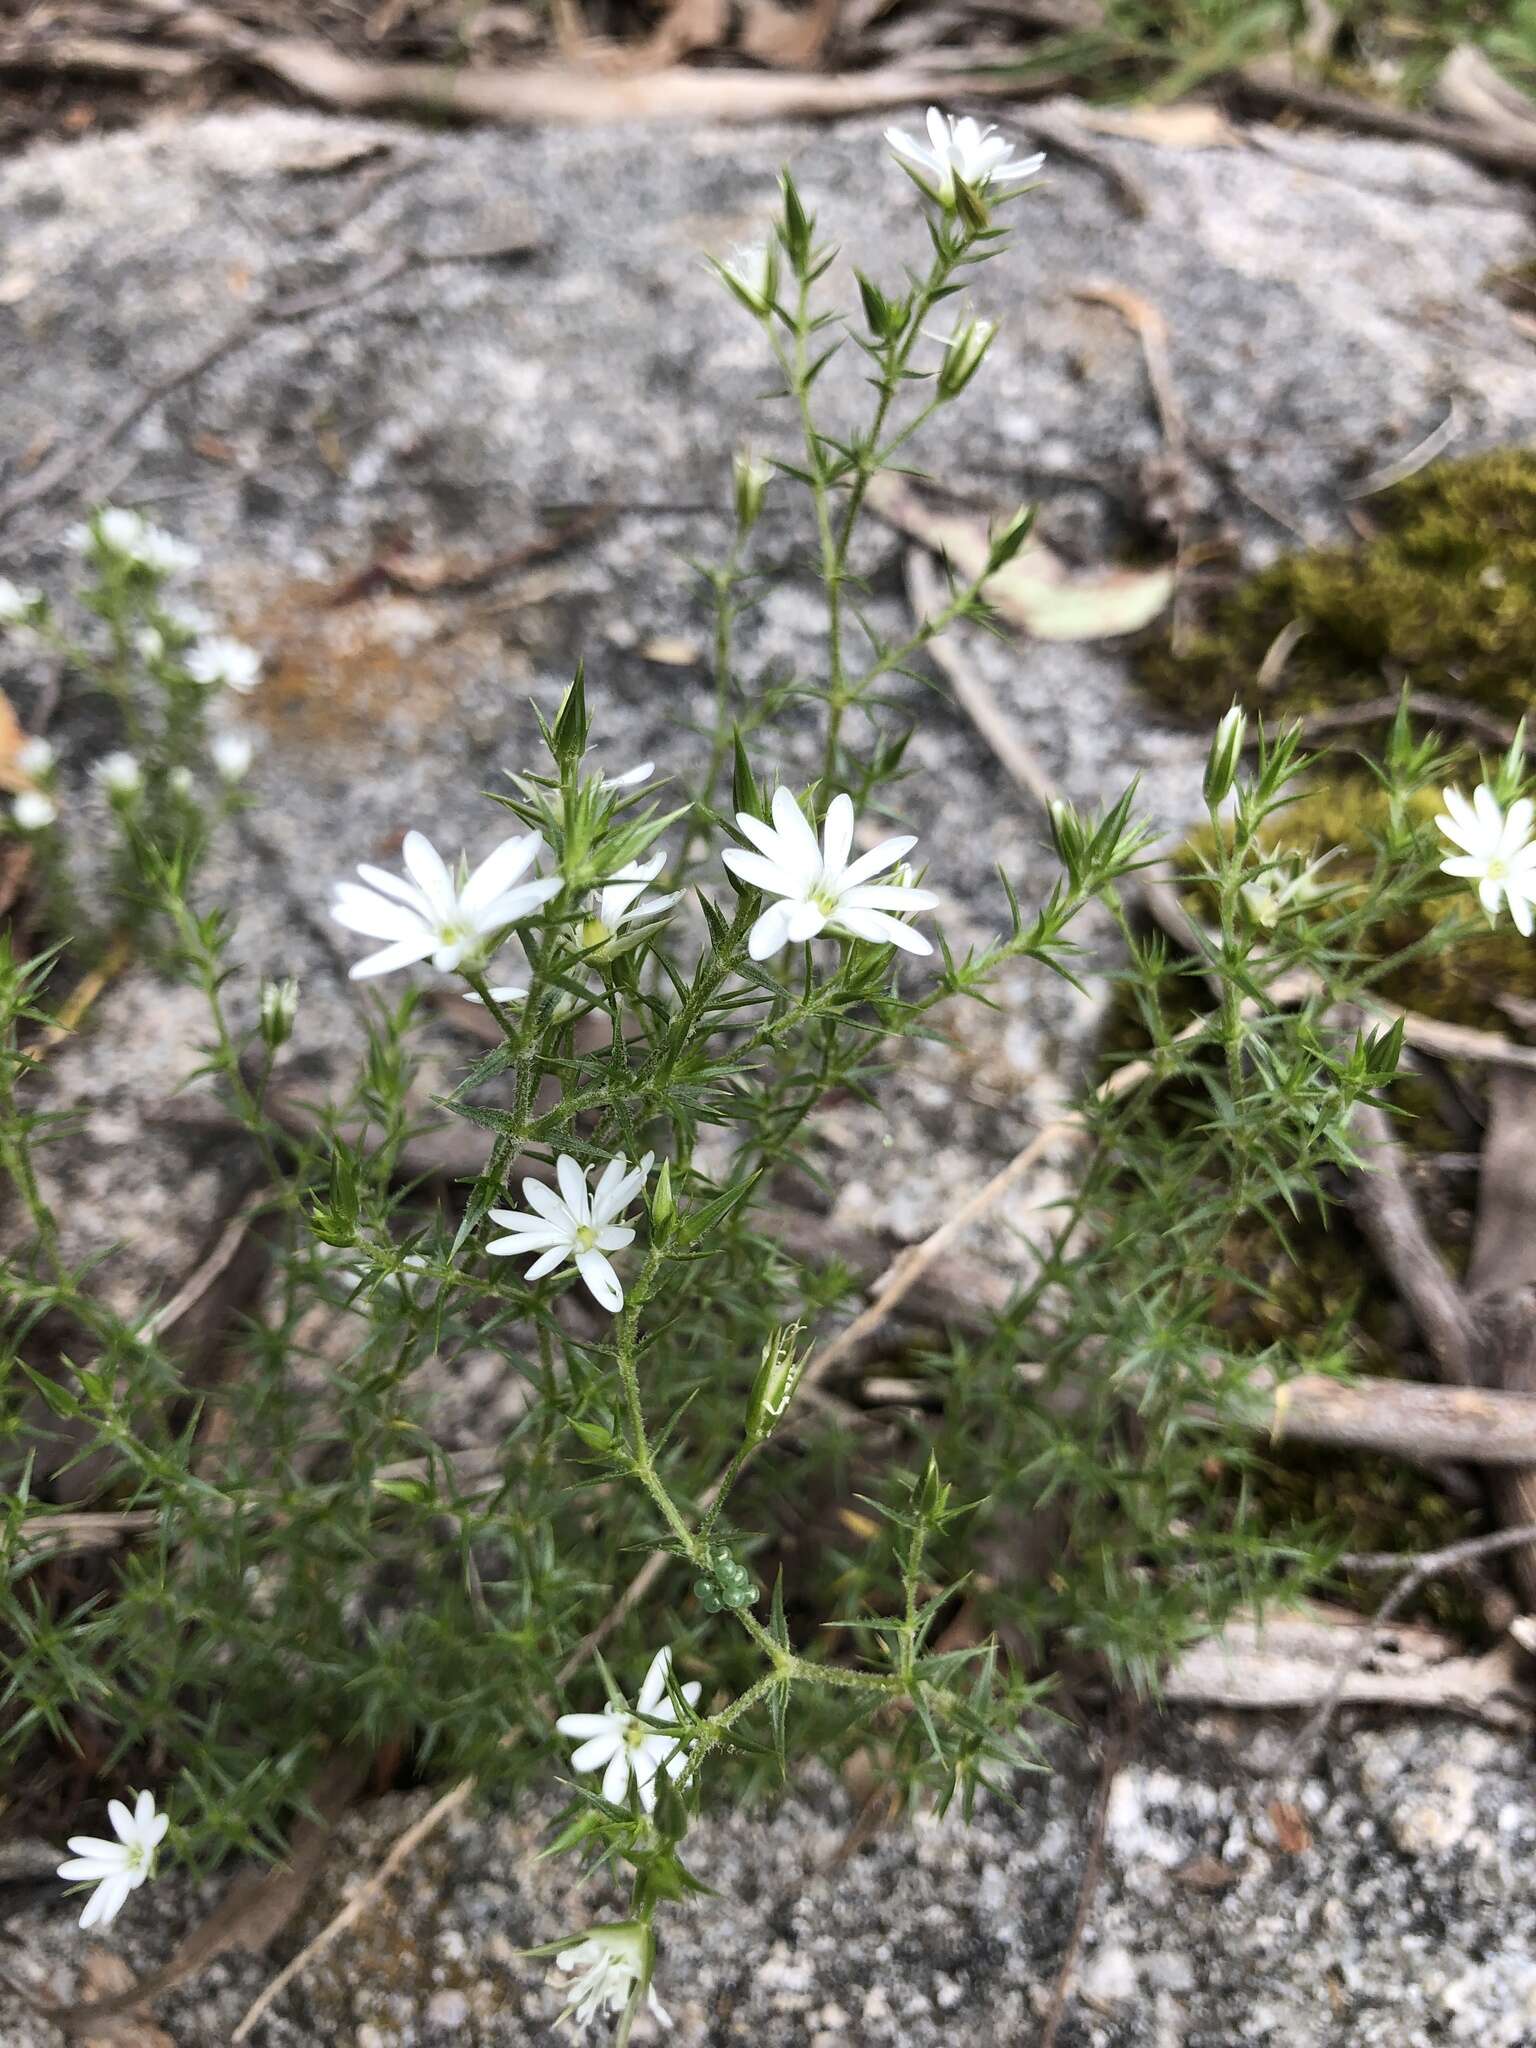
(1271, 84)
(1303, 1752)
(1407, 1419)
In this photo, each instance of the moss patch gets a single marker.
(1445, 597)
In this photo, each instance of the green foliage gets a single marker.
(305, 1563)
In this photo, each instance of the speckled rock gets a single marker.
(456, 411)
(1211, 1928)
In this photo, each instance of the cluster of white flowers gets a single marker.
(116, 535)
(1496, 851)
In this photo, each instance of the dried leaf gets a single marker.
(328, 154)
(1292, 1835)
(1207, 1874)
(13, 776)
(1187, 124)
(672, 651)
(1036, 590)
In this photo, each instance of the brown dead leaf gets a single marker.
(13, 776)
(1036, 590)
(1187, 124)
(214, 448)
(1207, 1874)
(1292, 1835)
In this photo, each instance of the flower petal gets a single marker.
(877, 860)
(404, 953)
(770, 933)
(837, 836)
(800, 848)
(597, 1751)
(602, 1281)
(573, 1188)
(761, 872)
(653, 1687)
(429, 871)
(499, 870)
(616, 1777)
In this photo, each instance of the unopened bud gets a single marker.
(1226, 752)
(279, 1007)
(777, 1377)
(963, 354)
(752, 477)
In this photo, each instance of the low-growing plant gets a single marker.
(297, 1564)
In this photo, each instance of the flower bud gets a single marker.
(752, 477)
(663, 1205)
(35, 757)
(963, 354)
(34, 810)
(232, 754)
(752, 274)
(279, 1007)
(1226, 752)
(119, 774)
(777, 1377)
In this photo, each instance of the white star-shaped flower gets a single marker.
(577, 1224)
(619, 1744)
(220, 659)
(1497, 852)
(606, 1964)
(964, 150)
(622, 901)
(820, 888)
(132, 537)
(34, 810)
(120, 1867)
(453, 918)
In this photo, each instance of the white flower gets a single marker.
(132, 538)
(180, 780)
(453, 917)
(120, 1867)
(1283, 886)
(574, 1224)
(34, 810)
(631, 778)
(507, 993)
(35, 756)
(606, 1964)
(752, 273)
(964, 150)
(822, 890)
(222, 660)
(619, 903)
(119, 773)
(233, 753)
(1497, 851)
(149, 643)
(618, 1743)
(16, 600)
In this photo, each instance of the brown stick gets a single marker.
(1303, 1752)
(1272, 84)
(1407, 1419)
(1386, 1212)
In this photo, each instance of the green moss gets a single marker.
(1445, 597)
